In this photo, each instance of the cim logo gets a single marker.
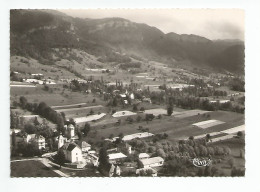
(201, 162)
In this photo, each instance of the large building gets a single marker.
(151, 162)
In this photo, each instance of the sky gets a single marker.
(210, 23)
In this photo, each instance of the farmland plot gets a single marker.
(190, 113)
(123, 114)
(89, 118)
(208, 123)
(156, 112)
(234, 130)
(80, 108)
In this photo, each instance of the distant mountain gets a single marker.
(35, 32)
(231, 59)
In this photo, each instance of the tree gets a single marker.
(142, 109)
(135, 107)
(138, 118)
(231, 162)
(41, 108)
(23, 101)
(60, 158)
(208, 137)
(242, 153)
(50, 144)
(91, 112)
(13, 121)
(170, 110)
(13, 140)
(227, 150)
(121, 135)
(161, 153)
(86, 129)
(239, 133)
(36, 122)
(149, 117)
(79, 134)
(130, 119)
(30, 129)
(111, 136)
(103, 159)
(32, 149)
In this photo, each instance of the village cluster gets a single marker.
(116, 122)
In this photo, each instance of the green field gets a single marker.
(31, 168)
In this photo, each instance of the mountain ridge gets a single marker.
(41, 30)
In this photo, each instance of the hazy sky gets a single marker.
(209, 23)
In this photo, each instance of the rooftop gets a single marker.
(116, 156)
(152, 160)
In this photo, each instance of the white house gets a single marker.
(152, 162)
(61, 141)
(132, 96)
(40, 140)
(72, 152)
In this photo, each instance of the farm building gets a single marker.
(72, 152)
(114, 157)
(85, 146)
(143, 156)
(61, 140)
(208, 123)
(151, 162)
(40, 140)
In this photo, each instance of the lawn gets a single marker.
(31, 168)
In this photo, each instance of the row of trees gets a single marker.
(204, 104)
(45, 111)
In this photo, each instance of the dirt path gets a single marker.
(46, 163)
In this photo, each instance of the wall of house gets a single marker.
(76, 155)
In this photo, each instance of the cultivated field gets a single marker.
(176, 128)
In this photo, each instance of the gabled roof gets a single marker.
(116, 156)
(151, 160)
(70, 146)
(85, 144)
